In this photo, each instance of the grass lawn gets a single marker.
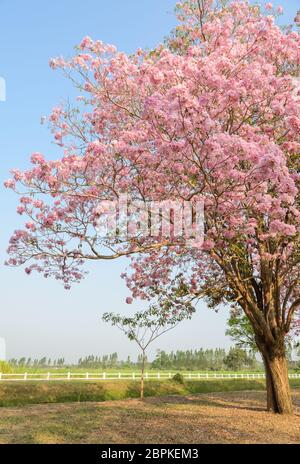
(30, 392)
(230, 417)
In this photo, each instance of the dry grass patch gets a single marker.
(231, 417)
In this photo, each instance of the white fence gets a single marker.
(102, 376)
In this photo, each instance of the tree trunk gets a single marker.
(142, 376)
(279, 397)
(271, 403)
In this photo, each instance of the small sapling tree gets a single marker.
(144, 327)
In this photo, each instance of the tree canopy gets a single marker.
(210, 115)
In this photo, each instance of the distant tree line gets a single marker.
(210, 360)
(110, 361)
(42, 362)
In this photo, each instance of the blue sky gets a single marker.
(38, 317)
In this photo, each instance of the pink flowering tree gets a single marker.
(211, 114)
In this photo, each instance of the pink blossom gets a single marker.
(87, 42)
(21, 210)
(37, 158)
(17, 174)
(30, 226)
(10, 184)
(278, 226)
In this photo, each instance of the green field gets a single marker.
(82, 370)
(30, 392)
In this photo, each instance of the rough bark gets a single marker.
(271, 402)
(280, 385)
(279, 397)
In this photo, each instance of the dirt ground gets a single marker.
(232, 417)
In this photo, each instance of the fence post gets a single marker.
(207, 375)
(158, 376)
(69, 375)
(25, 376)
(104, 375)
(48, 376)
(133, 376)
(87, 376)
(119, 375)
